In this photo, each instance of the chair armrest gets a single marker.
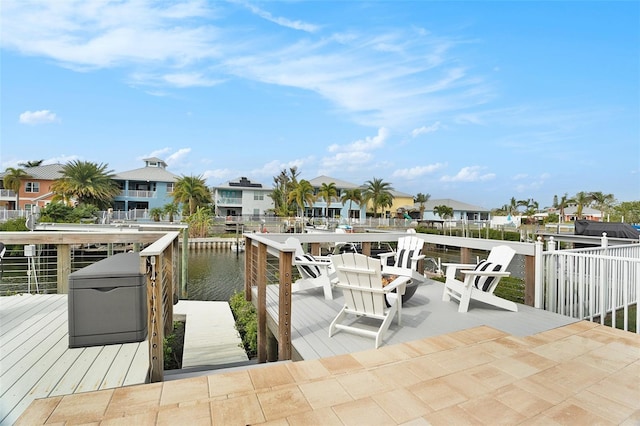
(319, 263)
(418, 257)
(459, 265)
(485, 273)
(383, 256)
(401, 280)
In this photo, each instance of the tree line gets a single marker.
(90, 186)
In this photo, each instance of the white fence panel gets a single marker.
(592, 283)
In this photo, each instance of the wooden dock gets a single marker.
(424, 315)
(36, 362)
(211, 338)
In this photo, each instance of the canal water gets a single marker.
(214, 275)
(217, 274)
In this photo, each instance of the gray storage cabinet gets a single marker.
(108, 302)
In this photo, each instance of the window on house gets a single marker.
(32, 187)
(258, 196)
(170, 187)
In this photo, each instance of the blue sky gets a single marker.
(475, 101)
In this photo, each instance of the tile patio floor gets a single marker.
(581, 373)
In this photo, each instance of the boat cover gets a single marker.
(613, 230)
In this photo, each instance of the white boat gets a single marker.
(237, 247)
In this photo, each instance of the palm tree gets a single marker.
(12, 179)
(602, 202)
(171, 209)
(444, 212)
(515, 204)
(351, 195)
(302, 195)
(31, 163)
(284, 183)
(377, 191)
(562, 204)
(422, 198)
(192, 191)
(156, 214)
(328, 190)
(582, 199)
(86, 182)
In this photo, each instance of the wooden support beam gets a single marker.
(465, 255)
(315, 249)
(366, 248)
(284, 313)
(155, 324)
(64, 267)
(529, 280)
(249, 258)
(262, 302)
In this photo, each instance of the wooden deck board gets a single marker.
(424, 315)
(210, 335)
(36, 361)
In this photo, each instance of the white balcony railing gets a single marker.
(228, 201)
(138, 194)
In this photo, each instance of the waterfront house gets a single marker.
(242, 197)
(35, 190)
(461, 211)
(145, 188)
(336, 208)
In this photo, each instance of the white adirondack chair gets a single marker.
(406, 258)
(360, 279)
(315, 271)
(479, 280)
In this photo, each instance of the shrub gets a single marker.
(246, 322)
(13, 225)
(173, 347)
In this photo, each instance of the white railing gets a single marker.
(138, 194)
(230, 201)
(591, 284)
(7, 193)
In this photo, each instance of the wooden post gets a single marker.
(249, 257)
(465, 255)
(262, 302)
(366, 248)
(529, 280)
(167, 269)
(64, 267)
(284, 313)
(149, 267)
(315, 249)
(185, 262)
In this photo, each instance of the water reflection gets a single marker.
(214, 275)
(217, 274)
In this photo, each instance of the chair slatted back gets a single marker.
(408, 247)
(360, 278)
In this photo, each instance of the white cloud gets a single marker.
(38, 117)
(220, 175)
(367, 144)
(469, 174)
(273, 168)
(426, 129)
(415, 172)
(296, 25)
(376, 77)
(178, 156)
(159, 153)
